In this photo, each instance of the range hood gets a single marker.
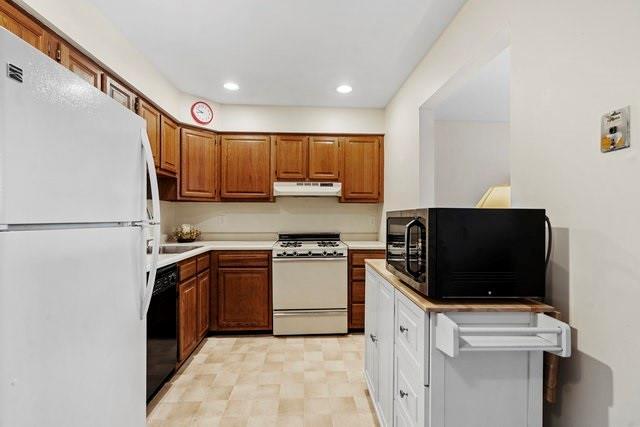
(307, 189)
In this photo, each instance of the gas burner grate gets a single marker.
(327, 244)
(290, 244)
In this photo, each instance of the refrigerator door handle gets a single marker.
(153, 223)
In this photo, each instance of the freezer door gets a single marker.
(68, 153)
(73, 349)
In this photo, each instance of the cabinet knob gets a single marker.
(373, 337)
(403, 329)
(403, 394)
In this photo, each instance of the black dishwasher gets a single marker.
(162, 336)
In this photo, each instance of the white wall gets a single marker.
(222, 221)
(83, 24)
(571, 61)
(479, 24)
(470, 157)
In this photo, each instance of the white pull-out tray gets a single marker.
(543, 334)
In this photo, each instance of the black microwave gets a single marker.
(468, 252)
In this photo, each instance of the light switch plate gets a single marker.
(615, 130)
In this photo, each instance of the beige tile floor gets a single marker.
(269, 381)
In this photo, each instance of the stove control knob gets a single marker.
(324, 253)
(310, 253)
(335, 253)
(294, 253)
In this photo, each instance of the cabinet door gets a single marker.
(198, 171)
(244, 299)
(79, 64)
(203, 303)
(385, 321)
(23, 26)
(246, 167)
(169, 146)
(362, 169)
(188, 322)
(119, 92)
(291, 157)
(371, 333)
(324, 158)
(152, 117)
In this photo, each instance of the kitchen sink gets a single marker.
(175, 249)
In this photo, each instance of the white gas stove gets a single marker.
(310, 245)
(309, 284)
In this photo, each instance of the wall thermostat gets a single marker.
(615, 130)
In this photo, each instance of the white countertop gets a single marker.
(206, 246)
(365, 244)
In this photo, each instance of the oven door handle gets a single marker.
(407, 246)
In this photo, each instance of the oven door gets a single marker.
(407, 247)
(309, 283)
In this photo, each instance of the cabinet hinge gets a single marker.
(136, 105)
(59, 54)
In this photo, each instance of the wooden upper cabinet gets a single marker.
(79, 64)
(23, 26)
(152, 116)
(291, 157)
(362, 169)
(169, 146)
(119, 92)
(245, 167)
(324, 158)
(198, 165)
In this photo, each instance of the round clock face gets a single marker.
(202, 112)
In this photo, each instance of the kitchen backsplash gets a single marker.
(262, 221)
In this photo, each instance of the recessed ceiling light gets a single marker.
(344, 89)
(231, 86)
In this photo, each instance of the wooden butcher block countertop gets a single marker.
(439, 305)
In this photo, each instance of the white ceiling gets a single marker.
(485, 97)
(284, 52)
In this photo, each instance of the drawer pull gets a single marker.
(373, 338)
(403, 329)
(403, 394)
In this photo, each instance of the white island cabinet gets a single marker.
(442, 364)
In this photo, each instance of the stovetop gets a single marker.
(309, 245)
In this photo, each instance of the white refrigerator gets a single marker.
(73, 237)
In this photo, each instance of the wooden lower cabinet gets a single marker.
(203, 303)
(193, 304)
(241, 292)
(356, 293)
(188, 317)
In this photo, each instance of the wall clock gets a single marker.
(202, 112)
